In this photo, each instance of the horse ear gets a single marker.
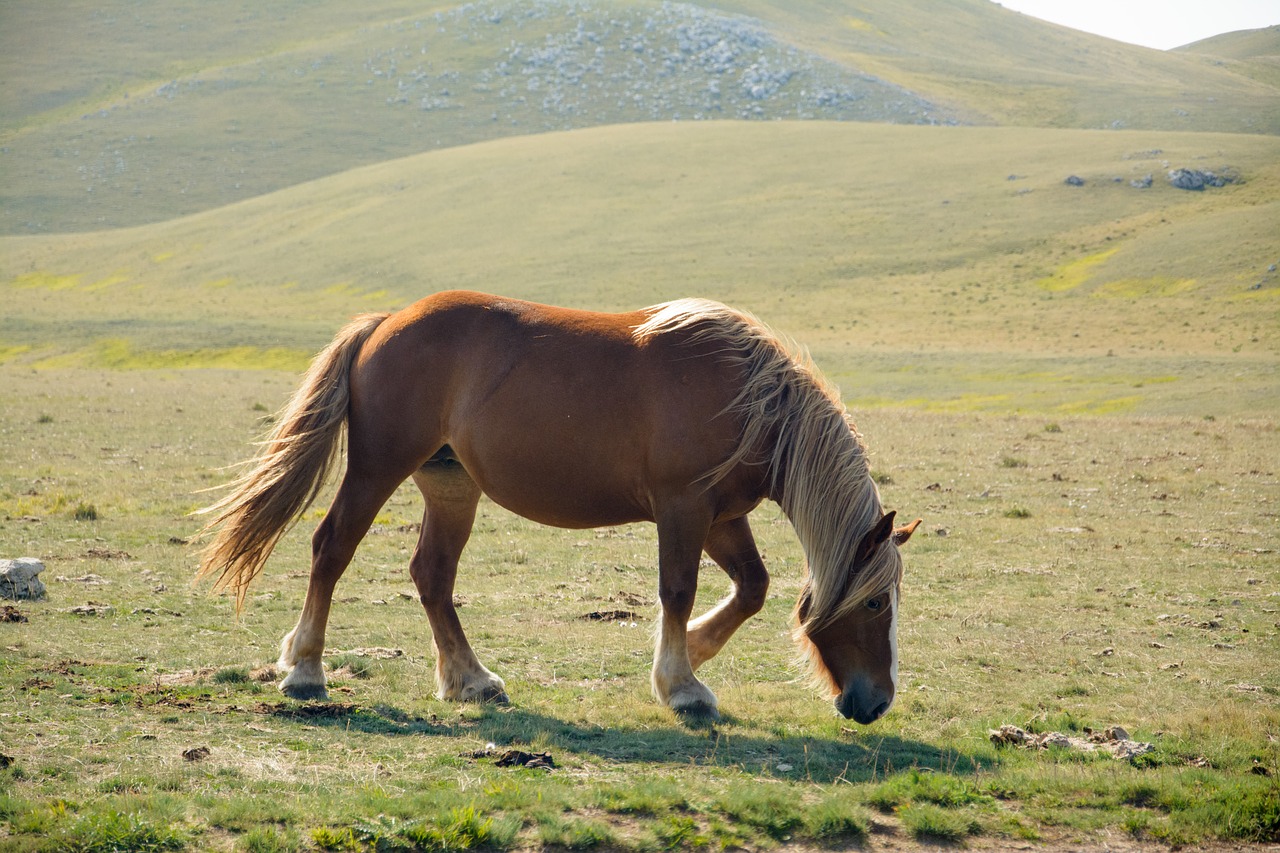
(902, 534)
(874, 538)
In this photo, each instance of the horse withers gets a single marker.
(686, 414)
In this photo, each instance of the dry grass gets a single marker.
(1140, 590)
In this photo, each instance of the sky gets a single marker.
(1161, 24)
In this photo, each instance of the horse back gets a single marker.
(563, 416)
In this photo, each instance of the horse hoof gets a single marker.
(493, 696)
(698, 712)
(305, 692)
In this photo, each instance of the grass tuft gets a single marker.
(268, 839)
(837, 817)
(109, 832)
(571, 833)
(931, 823)
(232, 675)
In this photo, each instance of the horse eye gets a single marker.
(874, 603)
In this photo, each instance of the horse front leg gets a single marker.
(451, 496)
(680, 537)
(332, 546)
(732, 546)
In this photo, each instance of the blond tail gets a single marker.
(289, 471)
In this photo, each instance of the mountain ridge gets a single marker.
(297, 92)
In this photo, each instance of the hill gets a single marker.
(170, 109)
(890, 250)
(1248, 53)
(1262, 43)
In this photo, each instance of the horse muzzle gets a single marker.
(863, 702)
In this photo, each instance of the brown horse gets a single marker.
(686, 414)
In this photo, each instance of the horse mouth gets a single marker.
(866, 711)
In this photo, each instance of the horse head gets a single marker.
(852, 648)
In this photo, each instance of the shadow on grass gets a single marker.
(859, 757)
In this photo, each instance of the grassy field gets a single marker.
(1076, 387)
(1075, 572)
(888, 250)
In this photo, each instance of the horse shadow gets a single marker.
(851, 756)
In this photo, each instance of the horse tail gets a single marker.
(290, 470)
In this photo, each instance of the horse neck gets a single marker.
(822, 480)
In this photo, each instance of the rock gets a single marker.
(1141, 183)
(1008, 735)
(1074, 181)
(1115, 740)
(18, 578)
(1197, 180)
(1131, 749)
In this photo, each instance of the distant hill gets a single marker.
(169, 109)
(1262, 43)
(1247, 53)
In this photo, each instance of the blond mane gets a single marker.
(794, 422)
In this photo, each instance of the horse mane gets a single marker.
(793, 421)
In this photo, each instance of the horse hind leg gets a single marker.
(333, 544)
(451, 497)
(732, 546)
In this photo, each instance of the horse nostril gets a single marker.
(848, 707)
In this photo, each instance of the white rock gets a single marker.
(18, 578)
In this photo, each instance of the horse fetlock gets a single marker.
(287, 656)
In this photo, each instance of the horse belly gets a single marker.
(546, 484)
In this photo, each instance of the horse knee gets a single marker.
(676, 600)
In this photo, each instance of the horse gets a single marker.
(686, 414)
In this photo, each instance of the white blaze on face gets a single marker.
(893, 642)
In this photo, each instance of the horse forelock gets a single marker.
(793, 421)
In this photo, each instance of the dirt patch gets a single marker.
(375, 652)
(185, 676)
(107, 554)
(93, 608)
(265, 673)
(196, 753)
(309, 711)
(610, 616)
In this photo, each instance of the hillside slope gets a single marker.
(920, 263)
(1003, 67)
(1248, 53)
(175, 108)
